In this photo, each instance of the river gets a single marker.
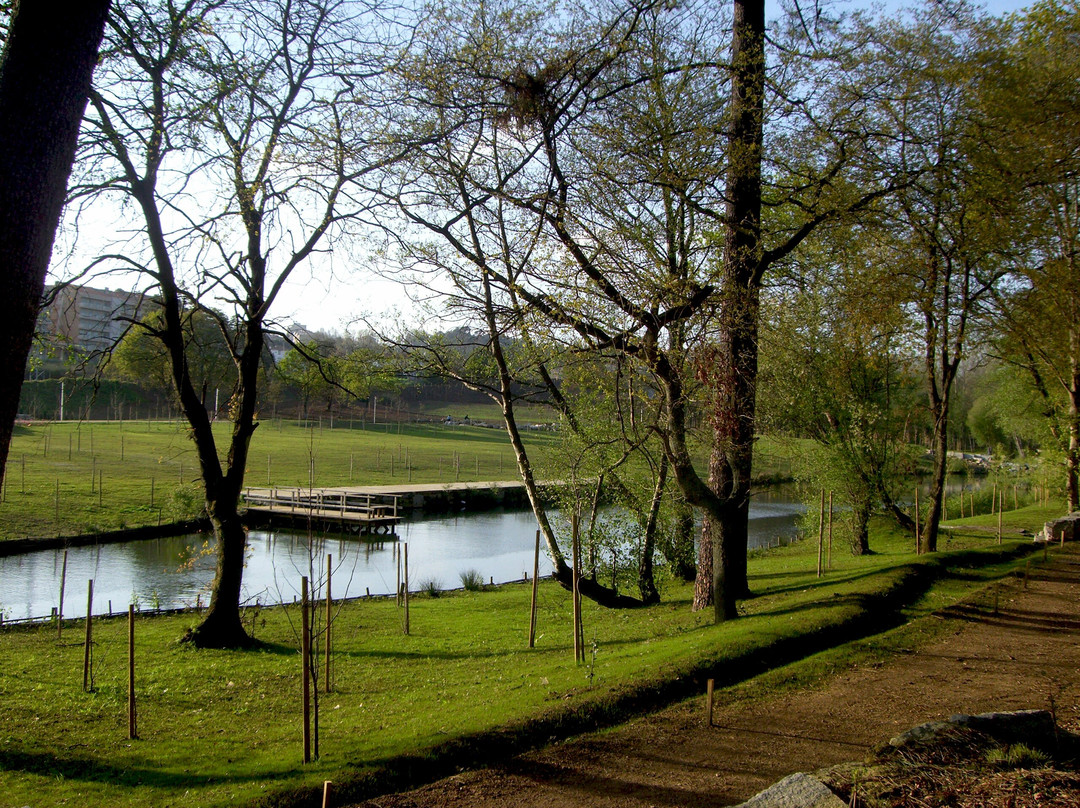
(176, 572)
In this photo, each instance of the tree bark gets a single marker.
(733, 368)
(47, 65)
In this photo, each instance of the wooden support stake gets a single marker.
(60, 608)
(575, 533)
(1001, 507)
(829, 563)
(918, 544)
(397, 592)
(405, 593)
(709, 686)
(821, 534)
(532, 607)
(326, 793)
(132, 727)
(89, 634)
(329, 614)
(305, 653)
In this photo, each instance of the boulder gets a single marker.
(797, 790)
(1057, 530)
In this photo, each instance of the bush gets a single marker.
(472, 580)
(431, 586)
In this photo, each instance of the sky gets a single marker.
(335, 301)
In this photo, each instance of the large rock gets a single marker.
(795, 791)
(1057, 530)
(1035, 727)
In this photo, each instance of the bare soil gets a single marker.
(1025, 654)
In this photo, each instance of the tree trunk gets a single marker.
(680, 550)
(44, 81)
(928, 538)
(734, 366)
(646, 582)
(1072, 456)
(860, 526)
(221, 626)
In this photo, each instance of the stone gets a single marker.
(797, 790)
(1057, 530)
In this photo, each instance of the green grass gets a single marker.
(70, 478)
(222, 728)
(76, 478)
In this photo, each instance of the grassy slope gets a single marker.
(148, 471)
(222, 728)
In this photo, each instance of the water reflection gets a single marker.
(176, 572)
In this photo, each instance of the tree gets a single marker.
(1033, 101)
(834, 370)
(45, 73)
(233, 131)
(141, 357)
(613, 149)
(947, 236)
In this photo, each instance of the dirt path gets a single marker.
(1027, 655)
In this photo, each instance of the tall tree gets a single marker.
(232, 130)
(45, 73)
(946, 238)
(1033, 99)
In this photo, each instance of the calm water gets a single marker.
(177, 571)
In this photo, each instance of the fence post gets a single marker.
(89, 634)
(536, 575)
(60, 608)
(132, 733)
(305, 653)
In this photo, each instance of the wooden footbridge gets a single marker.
(349, 508)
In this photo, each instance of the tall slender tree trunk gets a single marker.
(47, 65)
(930, 525)
(733, 364)
(1072, 457)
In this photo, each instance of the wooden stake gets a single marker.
(329, 614)
(405, 594)
(326, 793)
(532, 607)
(1001, 507)
(132, 728)
(60, 608)
(89, 634)
(305, 653)
(821, 534)
(579, 650)
(918, 544)
(829, 564)
(709, 686)
(397, 592)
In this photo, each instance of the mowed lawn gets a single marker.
(223, 728)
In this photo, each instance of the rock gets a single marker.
(1022, 726)
(920, 734)
(1063, 529)
(795, 791)
(1034, 727)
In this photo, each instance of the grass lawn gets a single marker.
(223, 728)
(74, 478)
(71, 478)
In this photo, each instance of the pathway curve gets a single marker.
(1026, 655)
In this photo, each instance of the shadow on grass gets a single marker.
(92, 770)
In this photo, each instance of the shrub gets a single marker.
(472, 580)
(431, 586)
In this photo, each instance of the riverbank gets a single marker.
(1009, 646)
(74, 479)
(460, 686)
